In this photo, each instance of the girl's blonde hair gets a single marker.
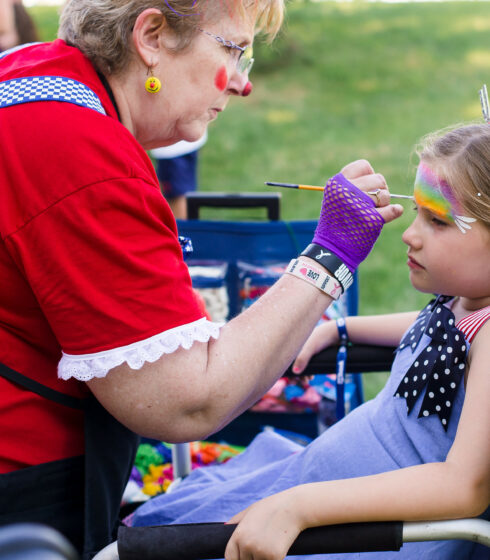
(102, 29)
(461, 156)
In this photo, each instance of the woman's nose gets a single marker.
(239, 84)
(247, 90)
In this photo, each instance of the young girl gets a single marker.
(418, 451)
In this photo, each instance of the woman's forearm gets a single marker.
(191, 393)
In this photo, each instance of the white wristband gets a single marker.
(316, 276)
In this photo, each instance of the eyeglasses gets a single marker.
(245, 59)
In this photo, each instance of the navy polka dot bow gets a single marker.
(440, 366)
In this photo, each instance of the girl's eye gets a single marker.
(429, 216)
(437, 222)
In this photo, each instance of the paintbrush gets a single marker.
(317, 188)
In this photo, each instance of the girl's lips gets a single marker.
(413, 264)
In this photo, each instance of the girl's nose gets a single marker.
(410, 236)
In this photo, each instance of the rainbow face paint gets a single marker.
(221, 79)
(433, 193)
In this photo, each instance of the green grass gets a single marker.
(342, 82)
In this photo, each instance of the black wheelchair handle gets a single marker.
(208, 540)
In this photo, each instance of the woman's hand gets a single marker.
(323, 336)
(266, 530)
(362, 175)
(350, 221)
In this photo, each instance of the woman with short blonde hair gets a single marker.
(102, 28)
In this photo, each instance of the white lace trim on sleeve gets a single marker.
(85, 367)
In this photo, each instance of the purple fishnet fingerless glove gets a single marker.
(349, 223)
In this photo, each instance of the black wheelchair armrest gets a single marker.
(360, 358)
(208, 540)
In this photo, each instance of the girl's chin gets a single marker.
(420, 286)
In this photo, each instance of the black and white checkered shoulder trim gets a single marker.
(48, 88)
(89, 366)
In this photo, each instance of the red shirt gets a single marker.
(89, 254)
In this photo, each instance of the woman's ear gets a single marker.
(147, 32)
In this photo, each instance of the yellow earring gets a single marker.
(152, 84)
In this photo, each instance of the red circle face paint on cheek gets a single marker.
(221, 79)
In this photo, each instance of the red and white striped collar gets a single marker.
(472, 323)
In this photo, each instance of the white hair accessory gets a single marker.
(484, 103)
